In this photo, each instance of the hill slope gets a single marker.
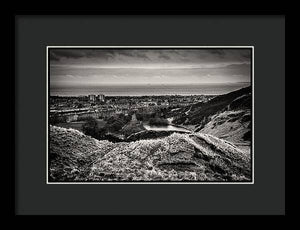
(74, 156)
(233, 126)
(199, 113)
(226, 116)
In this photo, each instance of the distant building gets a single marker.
(92, 98)
(133, 118)
(101, 97)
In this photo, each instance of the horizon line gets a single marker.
(154, 84)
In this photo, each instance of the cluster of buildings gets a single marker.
(68, 110)
(78, 108)
(92, 98)
(95, 98)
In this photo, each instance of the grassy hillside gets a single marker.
(199, 113)
(71, 153)
(226, 116)
(234, 126)
(74, 156)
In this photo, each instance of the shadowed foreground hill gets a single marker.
(74, 156)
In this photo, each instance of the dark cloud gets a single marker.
(246, 54)
(211, 56)
(143, 66)
(163, 56)
(57, 54)
(67, 53)
(53, 56)
(135, 53)
(219, 52)
(237, 54)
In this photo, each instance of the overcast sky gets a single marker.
(83, 67)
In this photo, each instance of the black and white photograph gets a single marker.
(151, 114)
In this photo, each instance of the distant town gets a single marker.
(69, 109)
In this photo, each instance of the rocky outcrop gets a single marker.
(195, 157)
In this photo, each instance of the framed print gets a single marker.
(150, 114)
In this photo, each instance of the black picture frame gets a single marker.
(30, 107)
